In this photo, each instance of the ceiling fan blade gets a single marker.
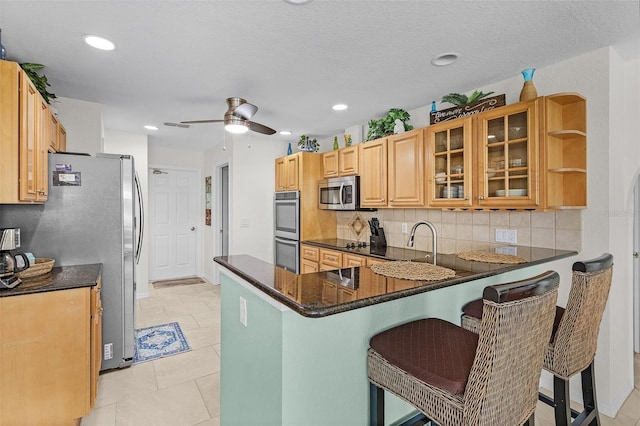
(260, 128)
(201, 121)
(245, 110)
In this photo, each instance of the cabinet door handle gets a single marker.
(382, 199)
(480, 197)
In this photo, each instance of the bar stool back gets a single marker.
(574, 341)
(456, 377)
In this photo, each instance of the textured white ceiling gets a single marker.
(178, 60)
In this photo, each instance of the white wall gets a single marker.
(83, 122)
(251, 160)
(116, 142)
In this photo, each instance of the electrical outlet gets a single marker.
(243, 311)
(108, 351)
(506, 236)
(404, 228)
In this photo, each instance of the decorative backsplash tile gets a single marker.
(463, 230)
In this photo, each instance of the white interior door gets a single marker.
(173, 217)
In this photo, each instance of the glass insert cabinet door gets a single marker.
(508, 166)
(449, 163)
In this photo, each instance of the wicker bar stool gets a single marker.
(456, 377)
(574, 340)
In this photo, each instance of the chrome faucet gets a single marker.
(434, 234)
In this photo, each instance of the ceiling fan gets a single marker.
(237, 118)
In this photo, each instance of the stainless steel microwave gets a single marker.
(342, 193)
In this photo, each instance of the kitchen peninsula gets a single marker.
(294, 346)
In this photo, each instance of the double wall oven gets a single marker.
(287, 230)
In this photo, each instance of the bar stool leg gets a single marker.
(376, 405)
(588, 379)
(562, 401)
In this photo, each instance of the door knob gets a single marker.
(193, 228)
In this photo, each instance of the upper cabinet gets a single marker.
(449, 151)
(392, 171)
(529, 155)
(24, 138)
(373, 173)
(406, 169)
(564, 153)
(341, 162)
(507, 156)
(57, 135)
(288, 172)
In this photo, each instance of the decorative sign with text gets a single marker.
(482, 105)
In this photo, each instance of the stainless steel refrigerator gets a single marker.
(93, 215)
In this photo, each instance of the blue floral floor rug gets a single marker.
(159, 341)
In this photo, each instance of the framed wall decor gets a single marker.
(207, 200)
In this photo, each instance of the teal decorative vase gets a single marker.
(289, 150)
(528, 89)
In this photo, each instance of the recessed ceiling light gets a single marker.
(285, 132)
(445, 59)
(339, 107)
(297, 2)
(99, 42)
(149, 127)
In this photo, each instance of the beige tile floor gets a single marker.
(184, 389)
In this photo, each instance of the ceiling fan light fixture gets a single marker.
(98, 42)
(285, 132)
(236, 128)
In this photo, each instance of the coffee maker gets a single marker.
(11, 263)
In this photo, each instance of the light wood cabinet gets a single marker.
(96, 340)
(373, 173)
(392, 172)
(330, 259)
(309, 258)
(564, 152)
(341, 162)
(406, 169)
(24, 138)
(57, 135)
(530, 155)
(449, 152)
(50, 356)
(507, 156)
(288, 172)
(62, 138)
(350, 260)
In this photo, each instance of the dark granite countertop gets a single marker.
(330, 292)
(60, 278)
(387, 253)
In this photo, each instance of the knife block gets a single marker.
(379, 240)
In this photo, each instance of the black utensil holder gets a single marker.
(378, 240)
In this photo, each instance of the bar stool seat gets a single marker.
(573, 343)
(456, 377)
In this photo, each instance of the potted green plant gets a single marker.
(40, 81)
(307, 144)
(384, 126)
(458, 99)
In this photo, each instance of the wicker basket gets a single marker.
(40, 267)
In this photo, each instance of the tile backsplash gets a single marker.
(466, 230)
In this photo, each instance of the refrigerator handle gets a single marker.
(141, 215)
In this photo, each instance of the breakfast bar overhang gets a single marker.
(294, 346)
